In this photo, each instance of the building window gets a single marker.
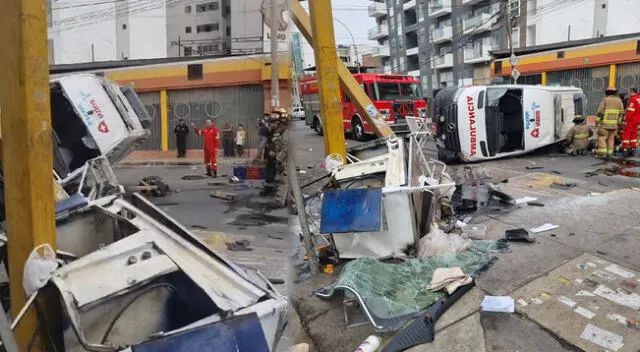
(188, 51)
(228, 30)
(210, 27)
(531, 35)
(604, 6)
(515, 37)
(187, 9)
(194, 72)
(532, 7)
(209, 6)
(514, 8)
(187, 29)
(124, 26)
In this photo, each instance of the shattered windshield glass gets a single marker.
(392, 294)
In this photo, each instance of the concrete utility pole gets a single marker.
(275, 73)
(26, 151)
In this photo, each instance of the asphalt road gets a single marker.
(309, 151)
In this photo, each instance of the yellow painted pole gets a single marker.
(349, 84)
(328, 80)
(613, 70)
(27, 158)
(164, 120)
(544, 79)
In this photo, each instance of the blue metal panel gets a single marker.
(239, 334)
(351, 210)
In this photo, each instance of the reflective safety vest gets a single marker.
(579, 136)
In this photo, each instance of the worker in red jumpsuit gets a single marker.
(211, 137)
(631, 122)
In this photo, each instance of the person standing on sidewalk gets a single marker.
(263, 135)
(609, 115)
(211, 137)
(240, 138)
(631, 122)
(181, 131)
(227, 139)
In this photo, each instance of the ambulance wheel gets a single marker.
(317, 126)
(357, 130)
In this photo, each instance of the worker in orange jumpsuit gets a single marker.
(211, 136)
(631, 122)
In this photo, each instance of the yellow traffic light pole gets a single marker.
(26, 144)
(328, 81)
(318, 30)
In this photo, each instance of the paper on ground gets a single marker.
(617, 317)
(545, 227)
(602, 338)
(631, 301)
(500, 304)
(619, 271)
(567, 301)
(585, 312)
(526, 200)
(584, 293)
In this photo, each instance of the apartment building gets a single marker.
(380, 33)
(550, 21)
(444, 42)
(80, 31)
(198, 27)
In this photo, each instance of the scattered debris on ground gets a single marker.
(193, 177)
(239, 246)
(223, 195)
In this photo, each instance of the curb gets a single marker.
(128, 164)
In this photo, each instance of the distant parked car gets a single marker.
(298, 113)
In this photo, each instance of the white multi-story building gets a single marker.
(380, 33)
(82, 31)
(549, 22)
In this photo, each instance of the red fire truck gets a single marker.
(395, 96)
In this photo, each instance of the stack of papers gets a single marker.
(500, 304)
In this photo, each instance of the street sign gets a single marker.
(515, 74)
(513, 60)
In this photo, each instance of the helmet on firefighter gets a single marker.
(611, 89)
(578, 118)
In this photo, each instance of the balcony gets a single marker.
(414, 73)
(378, 32)
(377, 9)
(439, 8)
(478, 23)
(444, 61)
(412, 51)
(442, 34)
(470, 2)
(409, 4)
(380, 51)
(477, 54)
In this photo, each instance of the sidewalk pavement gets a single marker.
(589, 227)
(193, 157)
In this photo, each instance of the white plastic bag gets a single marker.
(332, 162)
(39, 268)
(437, 242)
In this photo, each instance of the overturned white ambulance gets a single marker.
(488, 122)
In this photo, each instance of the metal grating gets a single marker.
(237, 104)
(593, 82)
(151, 101)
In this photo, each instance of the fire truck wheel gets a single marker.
(357, 129)
(317, 126)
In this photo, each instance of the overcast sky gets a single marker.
(355, 16)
